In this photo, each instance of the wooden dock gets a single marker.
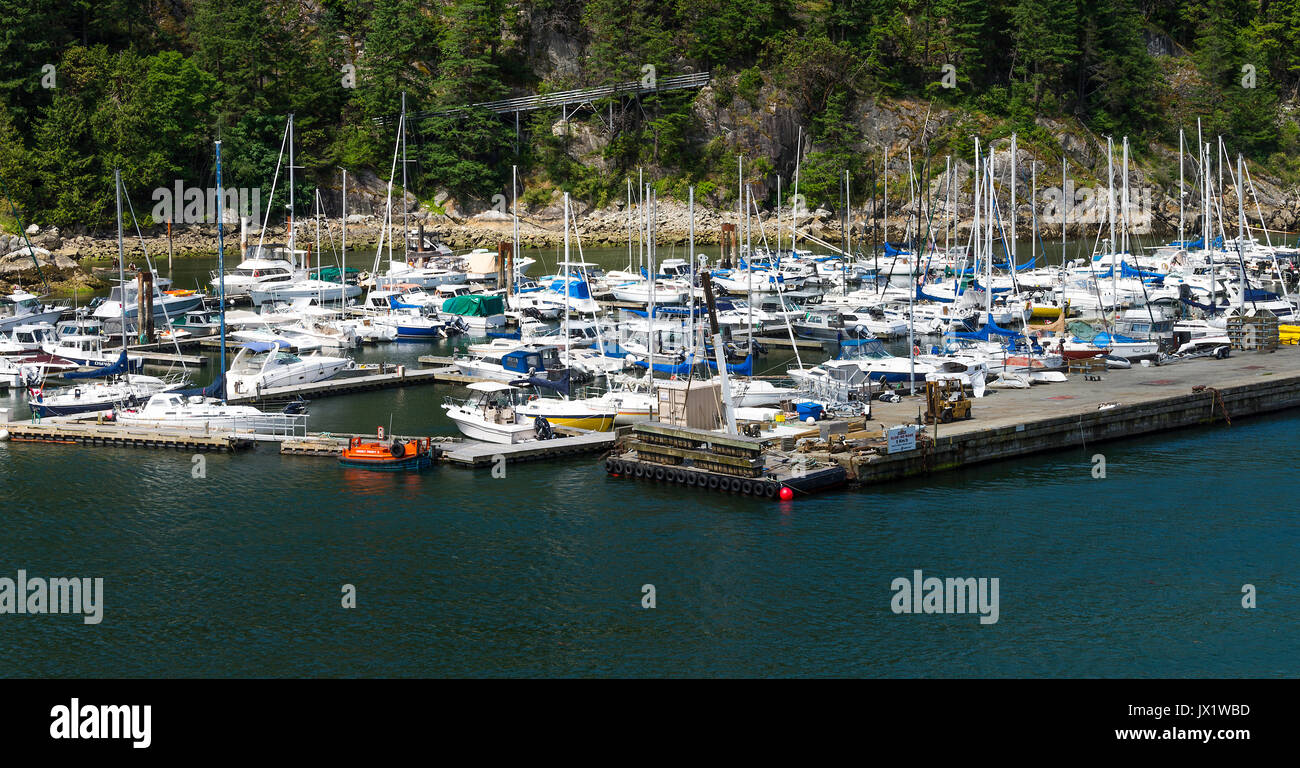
(343, 385)
(90, 434)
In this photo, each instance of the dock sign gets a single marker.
(901, 439)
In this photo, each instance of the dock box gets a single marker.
(807, 409)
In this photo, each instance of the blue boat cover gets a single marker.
(99, 373)
(740, 369)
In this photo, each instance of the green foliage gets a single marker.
(146, 87)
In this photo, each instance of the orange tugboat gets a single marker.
(394, 455)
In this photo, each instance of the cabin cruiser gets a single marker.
(510, 365)
(305, 288)
(165, 305)
(23, 308)
(27, 338)
(871, 357)
(830, 325)
(88, 351)
(263, 265)
(172, 409)
(265, 365)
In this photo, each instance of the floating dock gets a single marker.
(92, 434)
(389, 377)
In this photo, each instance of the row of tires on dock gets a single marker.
(711, 481)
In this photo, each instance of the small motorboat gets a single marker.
(387, 455)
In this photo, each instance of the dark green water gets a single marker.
(541, 572)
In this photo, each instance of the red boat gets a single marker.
(387, 455)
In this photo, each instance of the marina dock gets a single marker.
(1079, 413)
(388, 377)
(91, 434)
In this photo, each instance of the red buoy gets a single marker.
(786, 493)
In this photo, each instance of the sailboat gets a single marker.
(118, 386)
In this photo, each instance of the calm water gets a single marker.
(540, 572)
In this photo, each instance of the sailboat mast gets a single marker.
(121, 257)
(292, 256)
(221, 270)
(690, 256)
(1241, 235)
(1181, 193)
(568, 289)
(406, 226)
(343, 276)
(1012, 214)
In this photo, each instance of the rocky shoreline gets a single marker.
(66, 259)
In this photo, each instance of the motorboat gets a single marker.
(23, 308)
(173, 409)
(265, 365)
(165, 304)
(383, 455)
(491, 413)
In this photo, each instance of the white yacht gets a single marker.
(264, 365)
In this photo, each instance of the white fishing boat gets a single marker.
(491, 413)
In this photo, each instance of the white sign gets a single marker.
(901, 439)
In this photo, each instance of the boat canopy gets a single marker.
(265, 346)
(862, 349)
(474, 305)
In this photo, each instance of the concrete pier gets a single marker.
(1010, 423)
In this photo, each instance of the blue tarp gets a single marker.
(393, 303)
(680, 369)
(740, 369)
(577, 288)
(990, 329)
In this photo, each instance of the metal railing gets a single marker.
(561, 98)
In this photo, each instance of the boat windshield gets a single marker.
(863, 349)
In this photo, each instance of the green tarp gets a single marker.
(475, 305)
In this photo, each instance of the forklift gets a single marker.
(946, 401)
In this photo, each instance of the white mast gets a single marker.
(1181, 193)
(1241, 234)
(343, 276)
(1012, 260)
(568, 289)
(406, 226)
(292, 256)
